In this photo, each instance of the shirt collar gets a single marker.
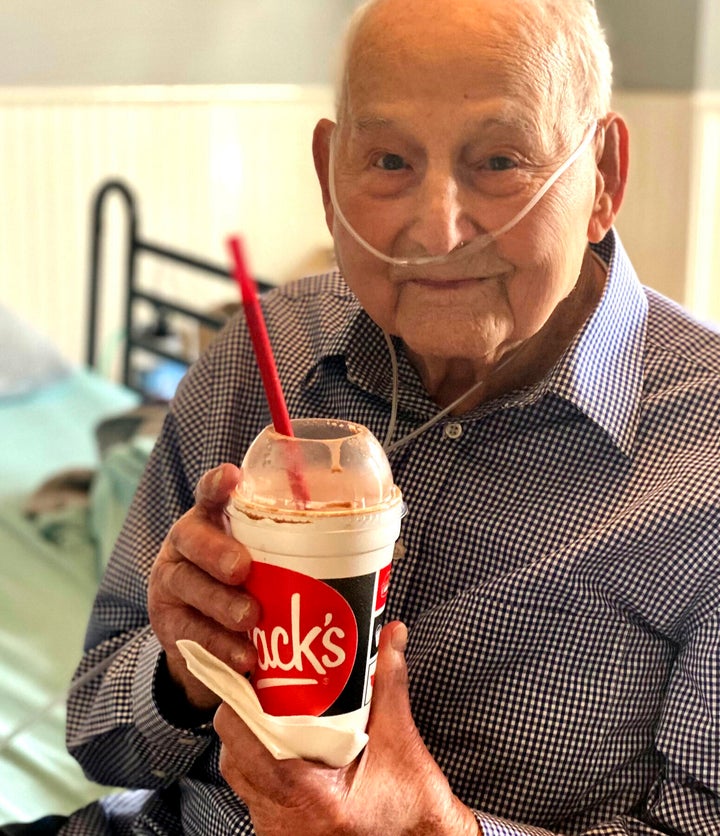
(600, 373)
(357, 342)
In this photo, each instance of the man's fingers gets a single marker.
(232, 648)
(195, 538)
(182, 581)
(235, 649)
(239, 746)
(201, 537)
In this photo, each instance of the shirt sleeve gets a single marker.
(116, 729)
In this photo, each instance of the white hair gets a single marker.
(570, 29)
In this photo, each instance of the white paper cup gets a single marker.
(320, 572)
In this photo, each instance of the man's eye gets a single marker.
(501, 164)
(391, 162)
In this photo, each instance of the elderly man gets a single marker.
(557, 597)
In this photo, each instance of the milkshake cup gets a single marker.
(320, 515)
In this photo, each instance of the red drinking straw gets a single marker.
(260, 340)
(265, 360)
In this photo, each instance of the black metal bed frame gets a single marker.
(134, 339)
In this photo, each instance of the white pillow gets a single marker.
(28, 360)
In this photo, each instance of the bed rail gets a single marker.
(134, 339)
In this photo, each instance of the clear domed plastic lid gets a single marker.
(329, 465)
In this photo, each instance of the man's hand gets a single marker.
(195, 588)
(395, 786)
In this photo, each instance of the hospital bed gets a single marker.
(74, 445)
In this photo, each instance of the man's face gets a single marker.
(446, 135)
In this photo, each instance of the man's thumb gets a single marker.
(390, 689)
(215, 487)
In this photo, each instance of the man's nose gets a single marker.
(441, 223)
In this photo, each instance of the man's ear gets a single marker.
(321, 155)
(611, 177)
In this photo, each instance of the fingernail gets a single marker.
(239, 609)
(399, 637)
(206, 486)
(228, 563)
(239, 660)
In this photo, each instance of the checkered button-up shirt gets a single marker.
(559, 573)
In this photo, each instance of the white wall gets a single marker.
(670, 222)
(204, 162)
(708, 57)
(107, 42)
(654, 220)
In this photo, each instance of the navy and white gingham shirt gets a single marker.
(560, 574)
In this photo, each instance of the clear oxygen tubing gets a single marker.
(477, 244)
(388, 444)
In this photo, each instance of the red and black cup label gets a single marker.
(316, 639)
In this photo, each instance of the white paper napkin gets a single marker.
(301, 736)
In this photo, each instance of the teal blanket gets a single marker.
(49, 571)
(53, 428)
(45, 597)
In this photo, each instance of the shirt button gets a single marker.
(453, 430)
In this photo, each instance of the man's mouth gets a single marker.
(447, 283)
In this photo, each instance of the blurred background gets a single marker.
(205, 109)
